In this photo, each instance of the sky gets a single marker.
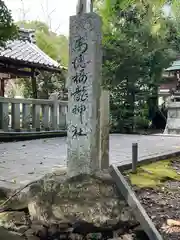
(54, 12)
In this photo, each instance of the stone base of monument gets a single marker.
(173, 119)
(55, 207)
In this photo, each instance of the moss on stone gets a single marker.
(154, 174)
(2, 201)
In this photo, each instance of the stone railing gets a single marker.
(29, 115)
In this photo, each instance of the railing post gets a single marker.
(45, 117)
(36, 117)
(5, 116)
(15, 116)
(54, 110)
(62, 117)
(26, 116)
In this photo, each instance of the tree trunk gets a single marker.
(130, 104)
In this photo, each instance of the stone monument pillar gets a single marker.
(173, 116)
(84, 92)
(104, 129)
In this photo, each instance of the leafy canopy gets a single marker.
(138, 44)
(54, 45)
(8, 30)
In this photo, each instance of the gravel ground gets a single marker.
(163, 203)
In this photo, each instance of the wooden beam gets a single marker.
(17, 72)
(22, 64)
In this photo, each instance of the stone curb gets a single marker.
(165, 135)
(134, 203)
(19, 136)
(147, 160)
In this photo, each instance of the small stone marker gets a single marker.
(134, 157)
(84, 91)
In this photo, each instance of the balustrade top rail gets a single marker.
(33, 101)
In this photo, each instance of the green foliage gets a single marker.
(138, 45)
(45, 43)
(56, 46)
(8, 30)
(49, 83)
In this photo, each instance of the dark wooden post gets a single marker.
(2, 95)
(34, 85)
(1, 116)
(2, 87)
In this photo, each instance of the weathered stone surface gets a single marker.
(12, 219)
(104, 129)
(84, 6)
(7, 235)
(80, 204)
(173, 119)
(29, 234)
(4, 193)
(18, 202)
(93, 199)
(84, 79)
(125, 237)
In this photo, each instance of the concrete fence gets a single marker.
(29, 115)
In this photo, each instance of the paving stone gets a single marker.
(22, 162)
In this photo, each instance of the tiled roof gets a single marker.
(175, 66)
(29, 53)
